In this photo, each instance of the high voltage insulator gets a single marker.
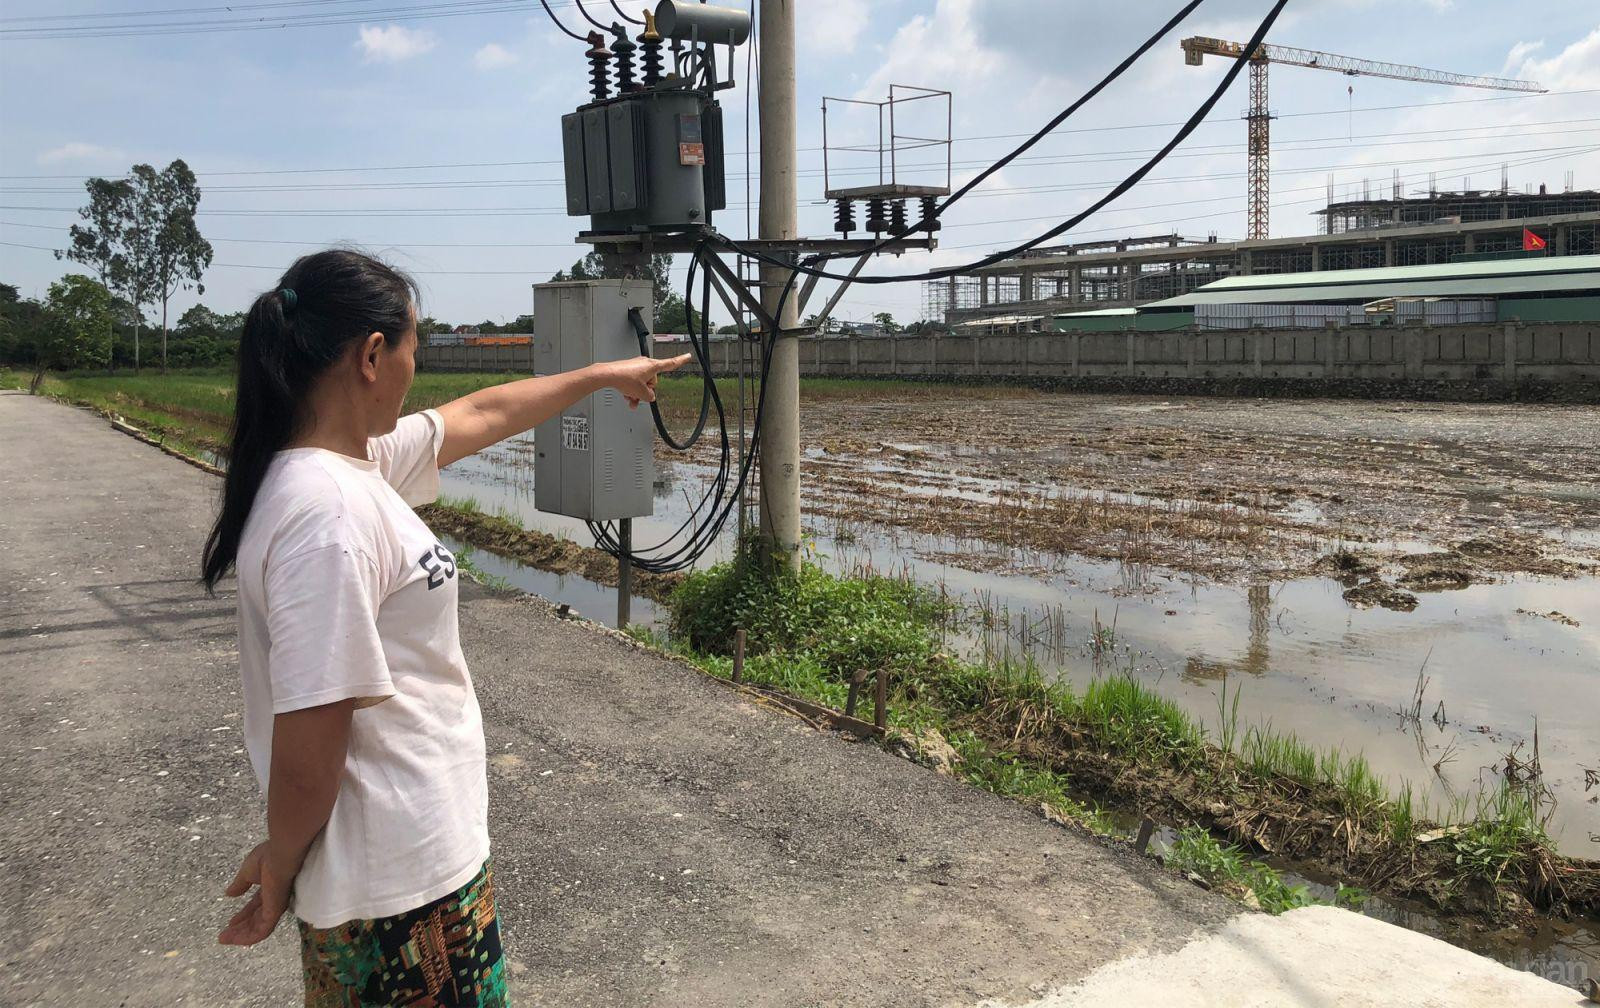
(599, 58)
(623, 47)
(650, 43)
(897, 216)
(877, 223)
(930, 214)
(844, 217)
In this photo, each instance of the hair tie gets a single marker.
(289, 298)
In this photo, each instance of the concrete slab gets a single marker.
(1316, 957)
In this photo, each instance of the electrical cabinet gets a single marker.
(594, 460)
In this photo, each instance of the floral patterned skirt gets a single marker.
(446, 953)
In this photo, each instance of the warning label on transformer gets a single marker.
(575, 433)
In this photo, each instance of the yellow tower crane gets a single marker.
(1258, 149)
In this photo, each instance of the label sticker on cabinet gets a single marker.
(575, 433)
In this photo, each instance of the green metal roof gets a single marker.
(1464, 279)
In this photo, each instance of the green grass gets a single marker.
(1507, 828)
(466, 505)
(464, 560)
(809, 633)
(1225, 867)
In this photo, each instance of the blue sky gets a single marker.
(480, 96)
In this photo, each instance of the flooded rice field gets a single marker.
(1334, 563)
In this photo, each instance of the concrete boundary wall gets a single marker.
(1483, 360)
(476, 358)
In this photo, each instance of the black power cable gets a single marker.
(605, 537)
(564, 29)
(586, 17)
(623, 15)
(703, 537)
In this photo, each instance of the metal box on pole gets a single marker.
(594, 460)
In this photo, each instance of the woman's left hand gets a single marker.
(636, 378)
(257, 918)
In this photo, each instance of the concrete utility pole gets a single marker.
(780, 425)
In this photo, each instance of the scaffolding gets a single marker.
(1453, 208)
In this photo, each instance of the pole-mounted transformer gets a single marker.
(647, 156)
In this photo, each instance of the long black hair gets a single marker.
(322, 304)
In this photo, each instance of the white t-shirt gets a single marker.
(343, 592)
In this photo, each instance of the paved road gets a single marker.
(658, 840)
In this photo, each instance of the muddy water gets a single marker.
(1300, 657)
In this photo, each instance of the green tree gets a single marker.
(19, 318)
(429, 326)
(672, 318)
(77, 323)
(593, 267)
(129, 320)
(166, 252)
(100, 242)
(202, 337)
(890, 326)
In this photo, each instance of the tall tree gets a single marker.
(100, 242)
(166, 251)
(19, 317)
(77, 316)
(593, 267)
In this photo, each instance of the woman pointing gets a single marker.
(360, 717)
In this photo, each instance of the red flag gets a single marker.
(1531, 242)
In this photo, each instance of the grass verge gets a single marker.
(1008, 729)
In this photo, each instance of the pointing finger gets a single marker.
(672, 363)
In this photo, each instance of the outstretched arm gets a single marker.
(487, 416)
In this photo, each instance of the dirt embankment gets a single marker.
(1338, 832)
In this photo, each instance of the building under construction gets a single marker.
(1430, 229)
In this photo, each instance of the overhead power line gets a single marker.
(970, 139)
(420, 244)
(1042, 161)
(374, 10)
(555, 211)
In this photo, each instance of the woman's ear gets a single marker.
(370, 348)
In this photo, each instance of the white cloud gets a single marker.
(1574, 68)
(493, 56)
(1519, 54)
(833, 26)
(393, 43)
(79, 151)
